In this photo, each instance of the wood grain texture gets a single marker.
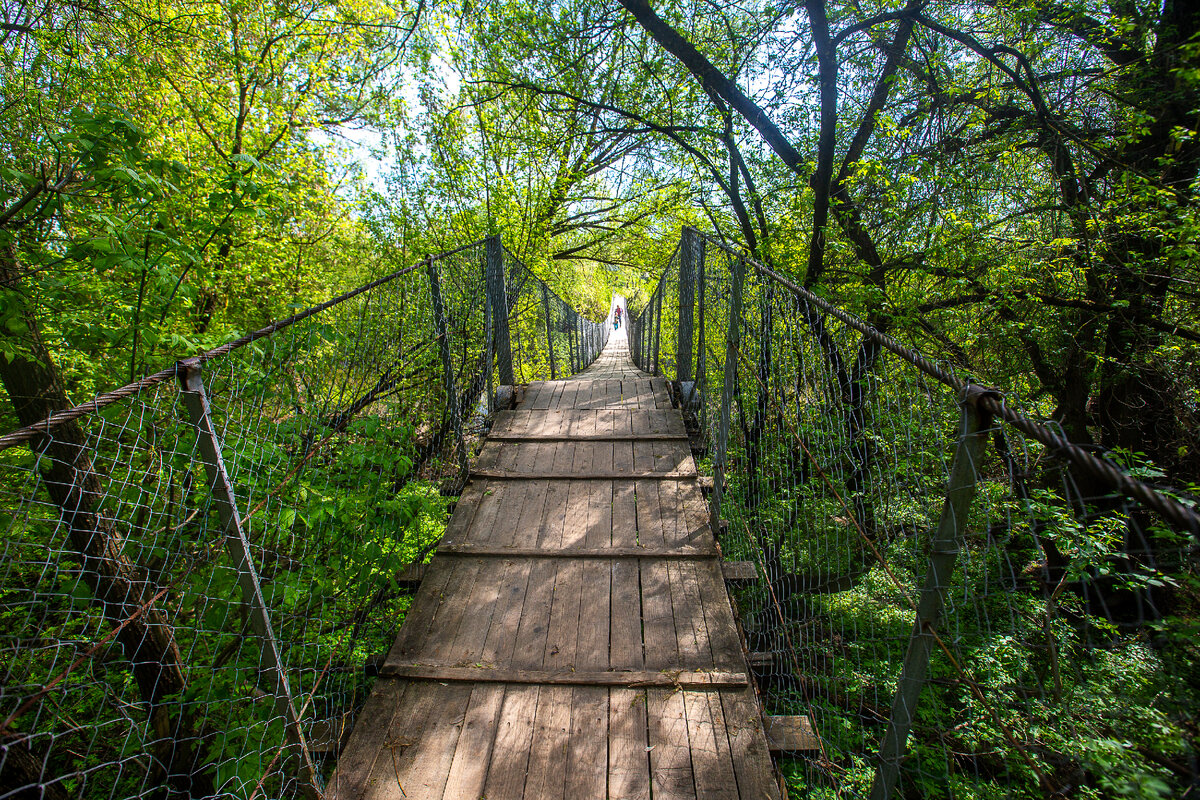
(573, 636)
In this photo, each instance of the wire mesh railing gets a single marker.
(961, 603)
(554, 340)
(198, 571)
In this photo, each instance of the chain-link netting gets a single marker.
(1052, 654)
(551, 340)
(198, 582)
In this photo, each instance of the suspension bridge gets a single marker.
(743, 545)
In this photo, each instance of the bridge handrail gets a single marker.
(992, 402)
(21, 435)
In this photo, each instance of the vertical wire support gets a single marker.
(571, 343)
(441, 329)
(733, 346)
(943, 554)
(701, 344)
(238, 546)
(662, 289)
(687, 291)
(497, 292)
(549, 333)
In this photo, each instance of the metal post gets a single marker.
(658, 325)
(733, 346)
(701, 344)
(943, 553)
(497, 293)
(439, 323)
(238, 546)
(687, 271)
(549, 333)
(571, 344)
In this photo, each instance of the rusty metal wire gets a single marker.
(831, 446)
(131, 662)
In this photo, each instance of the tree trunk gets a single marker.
(120, 587)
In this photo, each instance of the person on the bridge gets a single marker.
(617, 318)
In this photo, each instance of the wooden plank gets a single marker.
(528, 517)
(723, 636)
(600, 514)
(547, 772)
(467, 643)
(623, 457)
(643, 458)
(581, 464)
(609, 422)
(625, 623)
(366, 742)
(575, 522)
(465, 510)
(739, 572)
(456, 673)
(510, 751)
(565, 472)
(649, 516)
(491, 523)
(488, 506)
(423, 766)
(469, 769)
(628, 756)
(540, 400)
(670, 755)
(658, 621)
(423, 608)
(748, 744)
(562, 636)
(559, 466)
(550, 526)
(535, 616)
(788, 733)
(580, 551)
(587, 747)
(624, 515)
(691, 630)
(501, 640)
(709, 744)
(451, 611)
(592, 642)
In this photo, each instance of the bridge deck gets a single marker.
(572, 638)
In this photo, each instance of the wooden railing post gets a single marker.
(549, 332)
(733, 347)
(497, 292)
(299, 759)
(687, 296)
(442, 331)
(943, 553)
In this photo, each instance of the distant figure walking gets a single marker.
(617, 318)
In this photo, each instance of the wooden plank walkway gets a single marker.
(572, 637)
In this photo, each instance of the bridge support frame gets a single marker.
(299, 758)
(497, 294)
(943, 554)
(549, 333)
(443, 335)
(689, 243)
(733, 346)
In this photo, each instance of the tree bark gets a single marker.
(120, 587)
